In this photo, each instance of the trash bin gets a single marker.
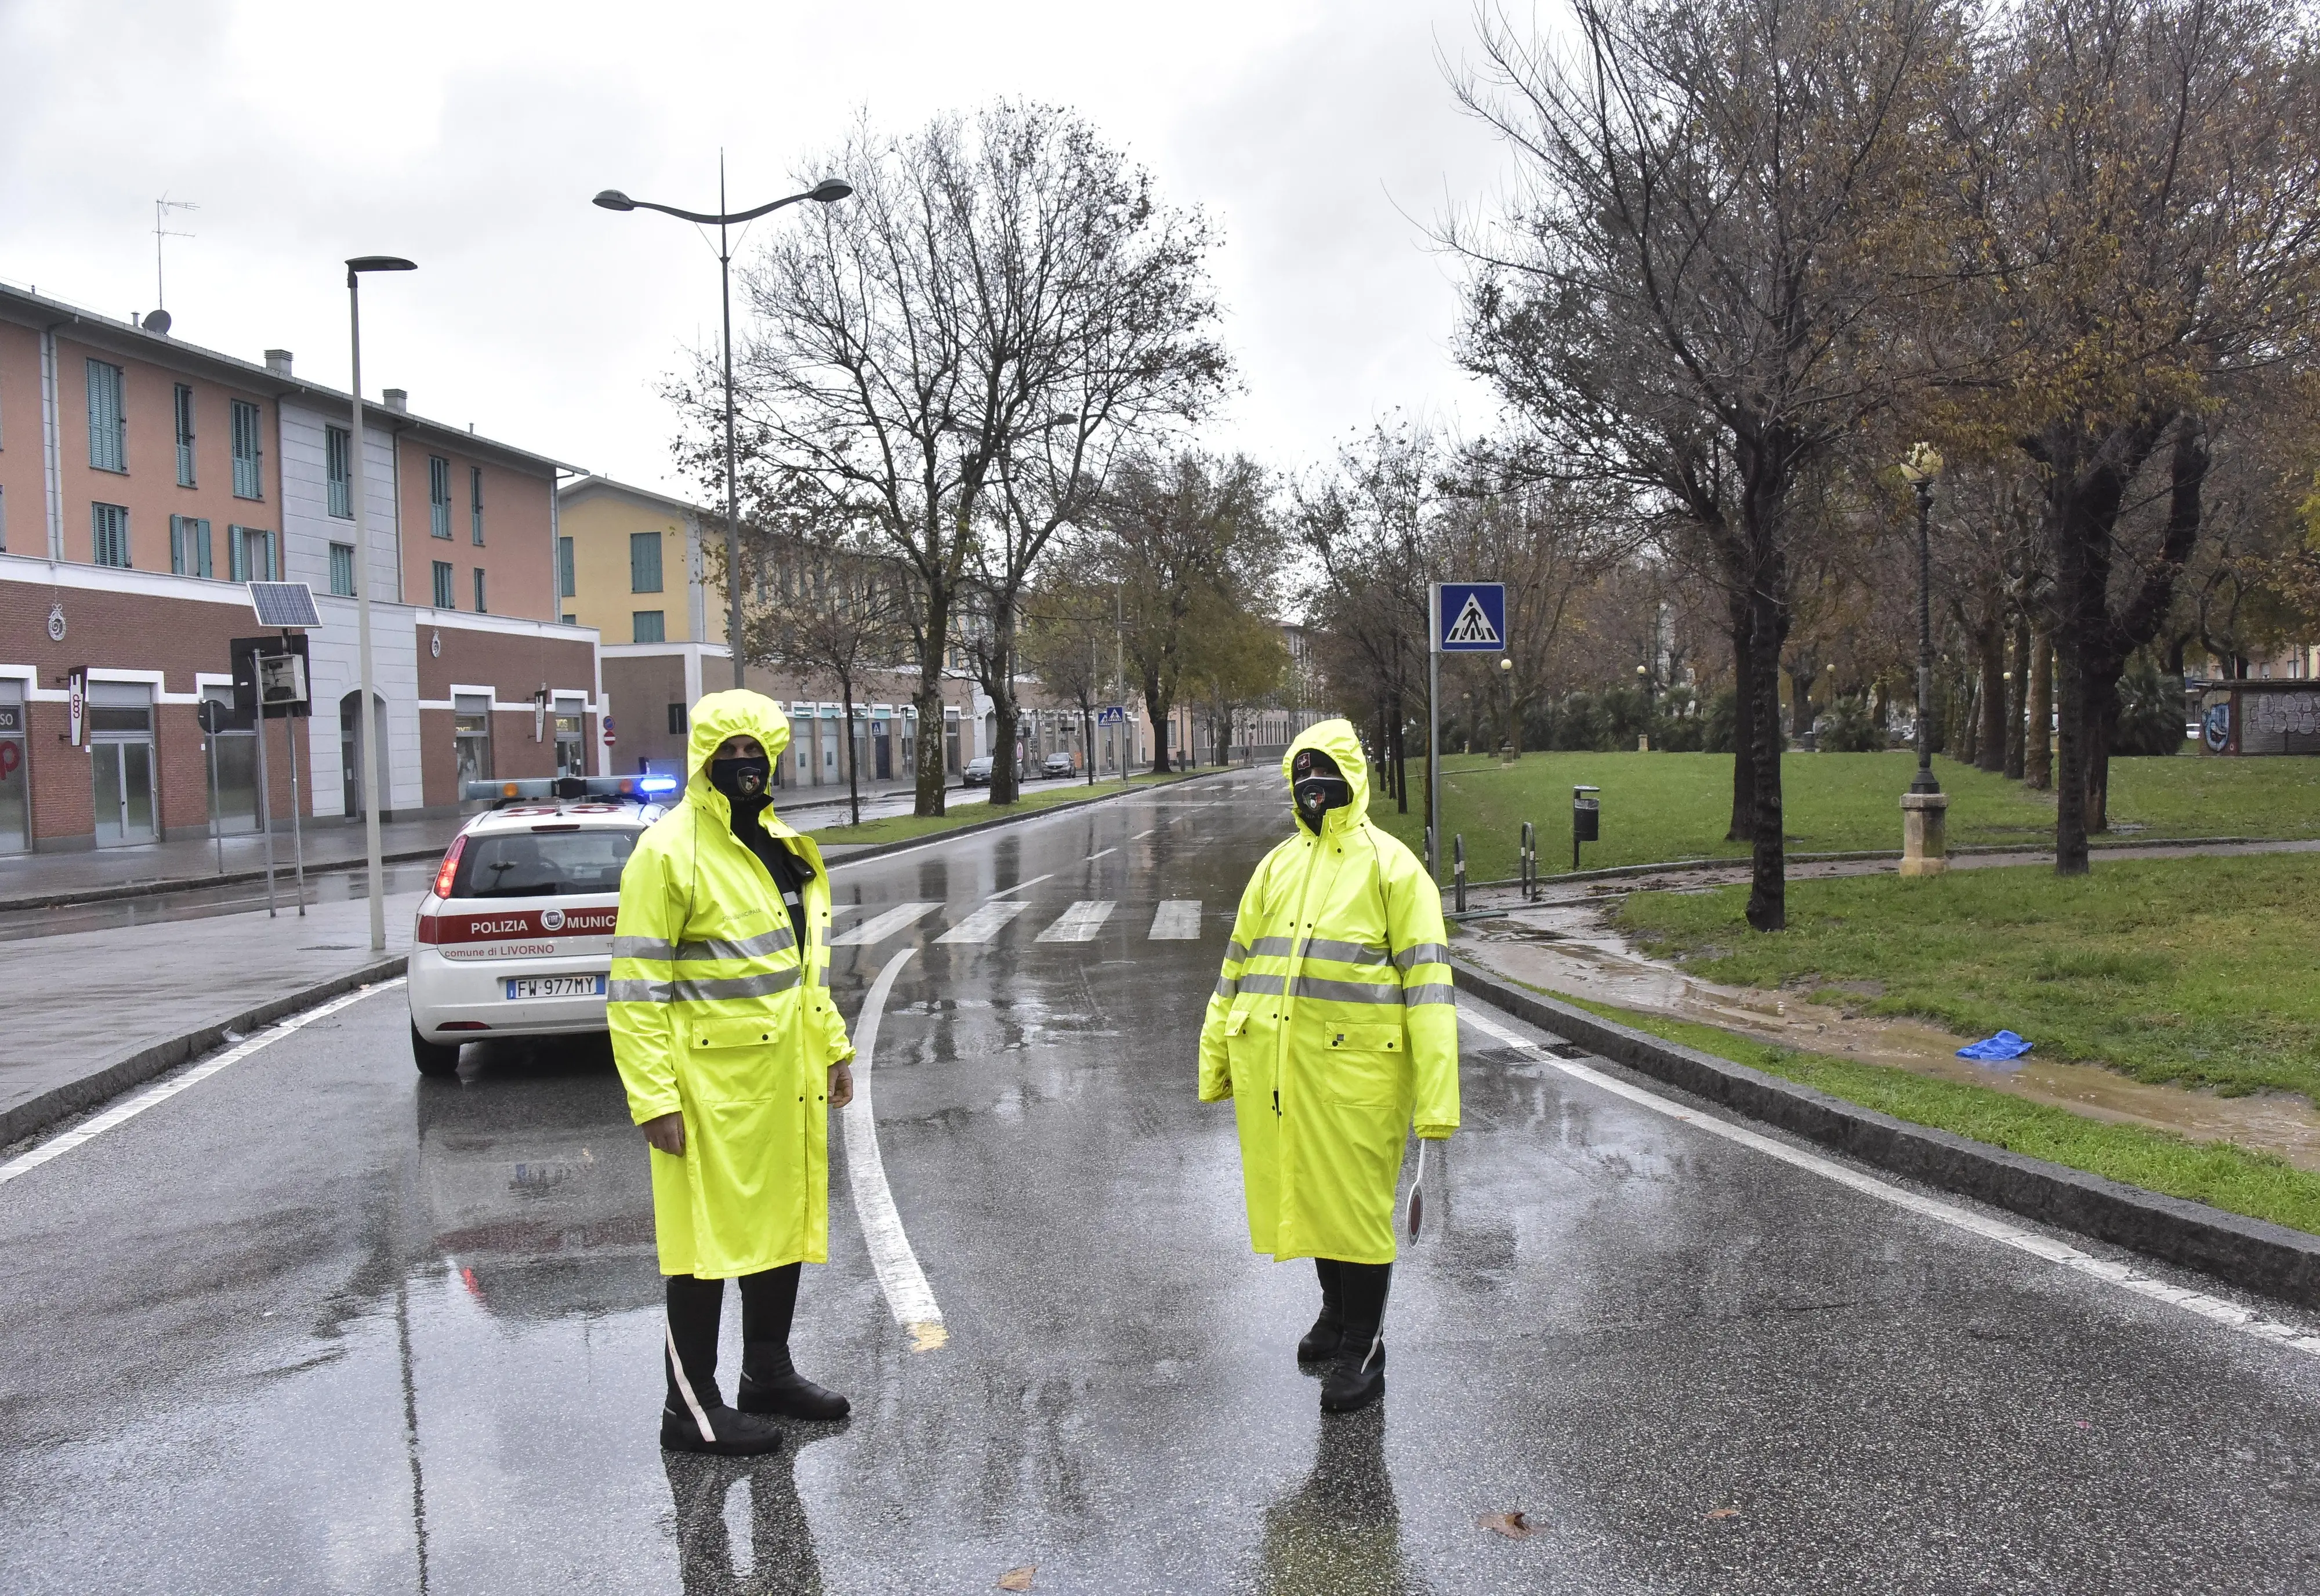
(1586, 819)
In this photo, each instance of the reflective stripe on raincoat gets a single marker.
(714, 1013)
(1333, 1027)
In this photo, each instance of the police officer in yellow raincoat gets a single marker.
(732, 1055)
(1333, 1030)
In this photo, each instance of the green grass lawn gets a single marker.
(2204, 972)
(2257, 1184)
(1675, 806)
(902, 828)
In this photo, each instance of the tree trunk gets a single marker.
(2038, 731)
(1744, 726)
(1768, 633)
(1157, 708)
(929, 787)
(1990, 741)
(2017, 701)
(853, 774)
(1400, 761)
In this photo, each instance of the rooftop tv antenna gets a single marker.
(161, 229)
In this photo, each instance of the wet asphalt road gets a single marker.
(317, 1325)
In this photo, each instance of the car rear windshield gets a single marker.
(543, 864)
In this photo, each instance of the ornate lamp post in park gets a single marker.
(826, 191)
(1925, 843)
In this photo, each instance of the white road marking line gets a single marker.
(2230, 1315)
(1092, 857)
(985, 923)
(878, 928)
(839, 910)
(1178, 921)
(1080, 922)
(908, 1295)
(120, 1113)
(1019, 886)
(1140, 836)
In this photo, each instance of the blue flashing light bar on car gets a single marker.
(610, 789)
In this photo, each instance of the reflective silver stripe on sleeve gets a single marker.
(1346, 991)
(1226, 989)
(1234, 950)
(1439, 992)
(754, 947)
(640, 992)
(735, 986)
(1278, 946)
(1266, 984)
(1421, 953)
(1345, 953)
(643, 948)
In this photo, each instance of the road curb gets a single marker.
(2253, 1253)
(72, 897)
(117, 1074)
(878, 850)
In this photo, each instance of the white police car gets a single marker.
(514, 937)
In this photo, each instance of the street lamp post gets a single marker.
(366, 717)
(827, 192)
(1924, 842)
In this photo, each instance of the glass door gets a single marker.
(123, 774)
(15, 808)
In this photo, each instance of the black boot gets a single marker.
(770, 1382)
(693, 1417)
(1320, 1343)
(1356, 1376)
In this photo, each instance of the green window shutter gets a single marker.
(566, 586)
(480, 605)
(343, 569)
(108, 442)
(197, 535)
(476, 503)
(185, 418)
(438, 497)
(443, 585)
(109, 534)
(338, 466)
(249, 452)
(647, 626)
(644, 562)
(177, 559)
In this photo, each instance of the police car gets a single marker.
(514, 936)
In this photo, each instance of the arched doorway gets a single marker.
(350, 754)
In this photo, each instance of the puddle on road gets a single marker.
(1569, 944)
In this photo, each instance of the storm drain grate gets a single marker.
(1564, 1049)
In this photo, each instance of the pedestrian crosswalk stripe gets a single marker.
(985, 922)
(1178, 921)
(1080, 922)
(881, 926)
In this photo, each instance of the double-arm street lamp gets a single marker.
(826, 191)
(366, 716)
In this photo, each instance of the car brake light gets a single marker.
(443, 877)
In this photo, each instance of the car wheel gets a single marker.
(433, 1058)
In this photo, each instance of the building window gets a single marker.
(471, 737)
(443, 585)
(646, 626)
(476, 503)
(338, 468)
(248, 453)
(676, 722)
(567, 586)
(110, 525)
(568, 619)
(644, 562)
(438, 495)
(249, 555)
(189, 546)
(184, 436)
(343, 569)
(480, 605)
(108, 423)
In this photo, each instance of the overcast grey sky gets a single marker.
(470, 136)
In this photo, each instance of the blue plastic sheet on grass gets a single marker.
(2004, 1045)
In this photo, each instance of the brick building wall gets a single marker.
(512, 666)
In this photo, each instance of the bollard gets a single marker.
(1458, 857)
(1530, 863)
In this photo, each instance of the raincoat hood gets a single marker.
(735, 712)
(1338, 739)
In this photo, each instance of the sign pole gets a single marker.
(1433, 731)
(210, 720)
(265, 797)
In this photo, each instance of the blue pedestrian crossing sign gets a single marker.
(1469, 617)
(1112, 714)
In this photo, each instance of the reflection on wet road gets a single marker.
(316, 1324)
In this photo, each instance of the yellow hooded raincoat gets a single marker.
(715, 1012)
(1333, 1027)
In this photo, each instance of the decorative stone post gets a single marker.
(1924, 827)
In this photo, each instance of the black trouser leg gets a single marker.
(768, 1303)
(1363, 1290)
(690, 1353)
(1332, 1287)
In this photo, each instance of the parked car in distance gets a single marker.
(978, 772)
(1057, 764)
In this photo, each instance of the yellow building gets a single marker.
(629, 564)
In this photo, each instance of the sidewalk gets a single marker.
(31, 881)
(95, 1011)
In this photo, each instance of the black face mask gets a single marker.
(741, 780)
(1318, 788)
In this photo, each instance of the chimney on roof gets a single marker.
(277, 361)
(398, 400)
